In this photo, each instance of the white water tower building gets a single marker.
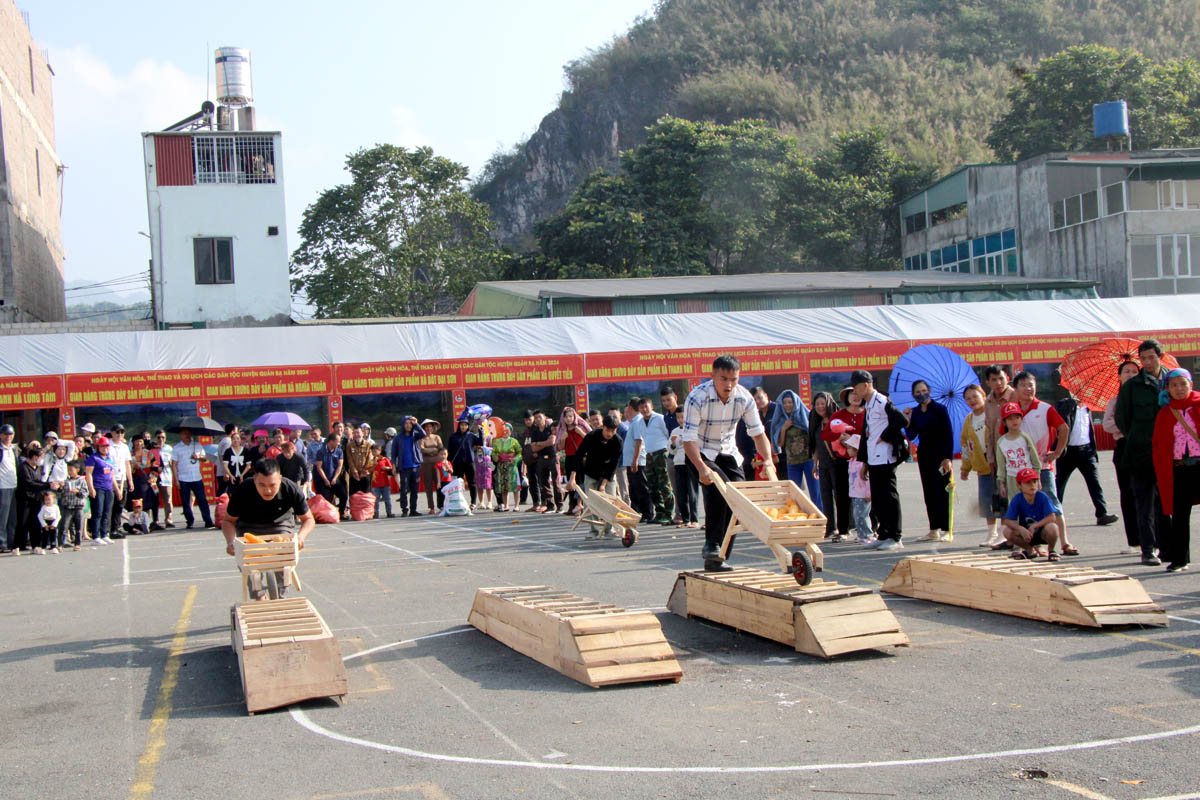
(218, 226)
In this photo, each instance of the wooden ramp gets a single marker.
(595, 643)
(1055, 592)
(286, 653)
(822, 619)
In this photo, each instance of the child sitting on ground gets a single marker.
(72, 504)
(860, 494)
(381, 480)
(483, 478)
(1031, 519)
(48, 516)
(139, 520)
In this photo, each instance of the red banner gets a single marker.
(335, 410)
(397, 376)
(784, 359)
(1177, 343)
(533, 371)
(182, 386)
(37, 391)
(581, 399)
(314, 380)
(66, 423)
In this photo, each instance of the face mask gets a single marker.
(922, 397)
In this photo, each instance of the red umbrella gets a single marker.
(1091, 371)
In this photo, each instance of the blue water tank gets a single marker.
(1110, 119)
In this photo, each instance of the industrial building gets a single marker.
(31, 251)
(218, 226)
(1127, 221)
(759, 292)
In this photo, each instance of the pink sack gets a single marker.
(219, 514)
(322, 510)
(362, 506)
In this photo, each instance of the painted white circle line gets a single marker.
(302, 718)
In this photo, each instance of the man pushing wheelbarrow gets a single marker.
(267, 509)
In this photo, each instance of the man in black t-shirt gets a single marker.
(596, 462)
(542, 440)
(271, 504)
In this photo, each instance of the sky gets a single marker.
(466, 78)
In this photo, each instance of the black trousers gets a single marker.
(1082, 458)
(1125, 491)
(571, 464)
(937, 499)
(334, 493)
(466, 471)
(835, 496)
(885, 500)
(362, 484)
(543, 478)
(1153, 525)
(688, 493)
(716, 510)
(639, 492)
(1176, 547)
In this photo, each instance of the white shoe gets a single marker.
(874, 544)
(944, 536)
(932, 536)
(54, 550)
(891, 544)
(37, 551)
(106, 540)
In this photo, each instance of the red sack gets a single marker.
(322, 510)
(362, 506)
(219, 514)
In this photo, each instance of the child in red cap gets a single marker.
(1015, 451)
(1031, 518)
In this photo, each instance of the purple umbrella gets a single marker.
(281, 419)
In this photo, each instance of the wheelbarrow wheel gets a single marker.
(273, 587)
(629, 537)
(802, 567)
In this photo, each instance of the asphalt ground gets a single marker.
(95, 706)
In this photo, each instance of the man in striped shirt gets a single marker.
(710, 419)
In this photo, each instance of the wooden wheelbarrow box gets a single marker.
(750, 500)
(286, 653)
(264, 557)
(602, 508)
(822, 619)
(1052, 592)
(595, 643)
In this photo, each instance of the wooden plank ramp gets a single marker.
(1052, 592)
(595, 643)
(822, 619)
(286, 653)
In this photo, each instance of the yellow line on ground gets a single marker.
(430, 791)
(1155, 642)
(1079, 790)
(156, 739)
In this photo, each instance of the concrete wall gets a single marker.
(991, 200)
(80, 326)
(260, 293)
(31, 254)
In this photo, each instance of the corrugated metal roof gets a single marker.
(769, 283)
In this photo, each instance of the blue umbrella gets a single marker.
(947, 374)
(477, 410)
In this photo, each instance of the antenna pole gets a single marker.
(207, 64)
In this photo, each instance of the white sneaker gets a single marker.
(932, 536)
(106, 540)
(37, 551)
(54, 550)
(891, 544)
(944, 536)
(873, 544)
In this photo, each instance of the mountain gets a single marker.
(97, 302)
(932, 72)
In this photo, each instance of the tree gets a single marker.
(1050, 107)
(600, 233)
(843, 203)
(402, 238)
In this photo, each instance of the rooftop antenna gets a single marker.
(207, 65)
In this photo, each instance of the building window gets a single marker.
(1168, 264)
(914, 222)
(946, 214)
(994, 254)
(214, 259)
(1114, 198)
(234, 159)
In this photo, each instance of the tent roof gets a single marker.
(769, 283)
(56, 354)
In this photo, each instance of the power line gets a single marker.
(133, 276)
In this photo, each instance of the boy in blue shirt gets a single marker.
(1031, 519)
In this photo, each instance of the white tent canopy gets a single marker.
(215, 348)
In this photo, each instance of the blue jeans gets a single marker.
(1047, 477)
(102, 505)
(802, 475)
(186, 490)
(8, 517)
(410, 483)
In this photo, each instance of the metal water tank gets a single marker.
(234, 87)
(1110, 119)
